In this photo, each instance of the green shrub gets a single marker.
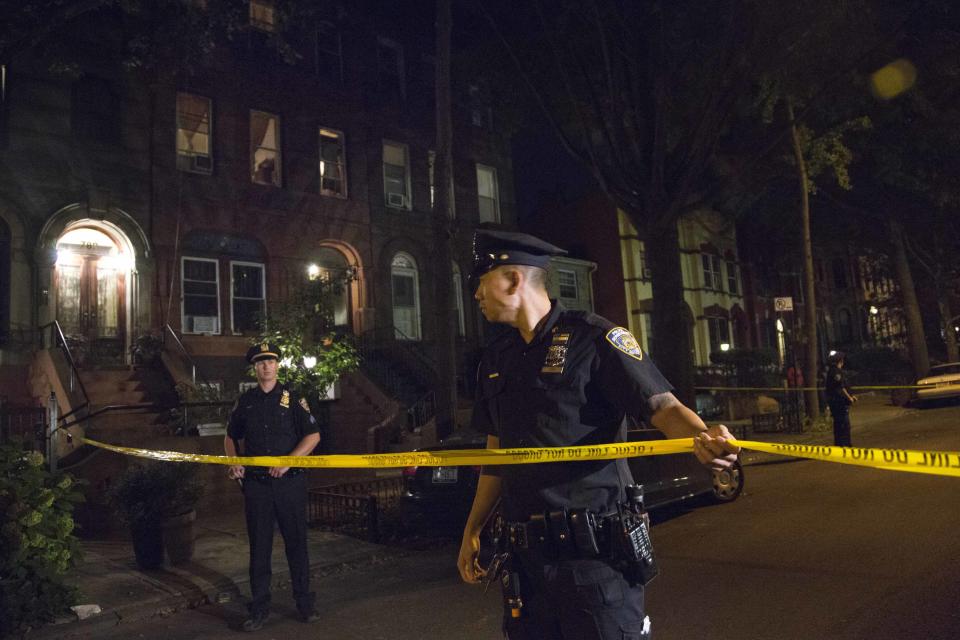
(147, 493)
(37, 544)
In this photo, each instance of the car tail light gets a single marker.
(409, 472)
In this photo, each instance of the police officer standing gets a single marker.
(271, 420)
(839, 398)
(564, 378)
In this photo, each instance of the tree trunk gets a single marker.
(947, 320)
(446, 385)
(810, 301)
(916, 339)
(671, 347)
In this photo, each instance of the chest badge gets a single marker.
(624, 341)
(285, 399)
(556, 354)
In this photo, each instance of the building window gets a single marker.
(840, 273)
(488, 194)
(247, 296)
(95, 110)
(201, 300)
(194, 127)
(262, 15)
(712, 277)
(265, 165)
(844, 327)
(567, 284)
(390, 74)
(458, 300)
(719, 329)
(733, 278)
(329, 53)
(396, 175)
(333, 163)
(405, 284)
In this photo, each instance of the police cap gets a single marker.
(493, 248)
(263, 351)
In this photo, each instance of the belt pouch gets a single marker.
(583, 524)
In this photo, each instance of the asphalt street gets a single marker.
(810, 550)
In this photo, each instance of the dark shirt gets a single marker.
(570, 386)
(270, 424)
(836, 382)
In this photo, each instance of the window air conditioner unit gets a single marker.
(195, 164)
(396, 200)
(204, 324)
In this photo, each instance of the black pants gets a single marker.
(841, 424)
(284, 501)
(574, 600)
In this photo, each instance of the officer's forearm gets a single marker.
(229, 447)
(676, 420)
(488, 493)
(306, 446)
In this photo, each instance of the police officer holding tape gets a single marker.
(573, 547)
(271, 420)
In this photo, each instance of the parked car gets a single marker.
(943, 381)
(440, 497)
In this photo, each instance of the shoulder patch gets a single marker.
(624, 341)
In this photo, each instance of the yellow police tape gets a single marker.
(942, 463)
(886, 387)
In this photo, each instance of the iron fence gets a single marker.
(23, 423)
(353, 508)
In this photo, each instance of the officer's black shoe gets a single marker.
(255, 621)
(309, 617)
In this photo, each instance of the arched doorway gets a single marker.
(91, 284)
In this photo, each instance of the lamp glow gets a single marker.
(313, 271)
(309, 361)
(724, 346)
(873, 310)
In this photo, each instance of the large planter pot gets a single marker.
(178, 537)
(148, 545)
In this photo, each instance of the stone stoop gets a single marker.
(353, 414)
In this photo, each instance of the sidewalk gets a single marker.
(871, 408)
(109, 577)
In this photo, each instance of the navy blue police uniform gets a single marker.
(836, 384)
(573, 384)
(272, 424)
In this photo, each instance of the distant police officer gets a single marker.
(271, 420)
(839, 398)
(563, 378)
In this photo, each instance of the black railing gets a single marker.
(353, 508)
(400, 368)
(27, 424)
(52, 337)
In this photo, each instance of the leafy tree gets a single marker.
(303, 328)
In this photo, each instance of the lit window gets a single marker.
(265, 148)
(200, 291)
(333, 164)
(487, 194)
(193, 133)
(712, 277)
(262, 15)
(733, 279)
(567, 284)
(396, 175)
(247, 296)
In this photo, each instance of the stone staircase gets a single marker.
(362, 406)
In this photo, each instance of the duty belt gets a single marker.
(575, 533)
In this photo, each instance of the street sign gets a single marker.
(783, 304)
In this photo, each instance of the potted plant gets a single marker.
(146, 348)
(157, 500)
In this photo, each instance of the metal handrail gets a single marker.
(422, 411)
(194, 369)
(74, 372)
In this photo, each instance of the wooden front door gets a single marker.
(90, 306)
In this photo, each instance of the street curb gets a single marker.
(168, 604)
